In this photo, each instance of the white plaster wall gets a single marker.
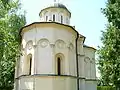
(59, 83)
(47, 83)
(81, 57)
(72, 62)
(69, 53)
(20, 66)
(28, 36)
(43, 83)
(26, 83)
(82, 84)
(81, 64)
(44, 57)
(87, 68)
(44, 60)
(90, 71)
(73, 84)
(90, 61)
(91, 85)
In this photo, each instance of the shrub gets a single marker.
(105, 88)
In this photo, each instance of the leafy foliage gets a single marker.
(105, 88)
(109, 52)
(10, 23)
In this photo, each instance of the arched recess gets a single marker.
(54, 17)
(60, 44)
(59, 64)
(67, 20)
(87, 67)
(61, 17)
(28, 64)
(46, 15)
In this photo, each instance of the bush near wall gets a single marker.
(105, 88)
(6, 88)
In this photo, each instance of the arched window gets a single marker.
(46, 18)
(29, 64)
(67, 20)
(61, 19)
(53, 17)
(58, 66)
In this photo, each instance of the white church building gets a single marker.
(53, 54)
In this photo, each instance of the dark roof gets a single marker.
(48, 23)
(59, 5)
(88, 47)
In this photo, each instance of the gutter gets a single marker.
(77, 66)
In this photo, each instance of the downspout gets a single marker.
(35, 50)
(77, 66)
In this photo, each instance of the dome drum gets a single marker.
(55, 13)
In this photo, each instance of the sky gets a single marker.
(86, 16)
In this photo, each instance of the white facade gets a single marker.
(54, 56)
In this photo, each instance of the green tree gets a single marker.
(109, 52)
(11, 20)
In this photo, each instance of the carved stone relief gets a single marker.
(43, 43)
(60, 44)
(87, 59)
(29, 45)
(71, 47)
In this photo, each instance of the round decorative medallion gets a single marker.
(43, 43)
(87, 59)
(60, 44)
(29, 45)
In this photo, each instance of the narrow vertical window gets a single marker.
(30, 65)
(66, 20)
(46, 18)
(59, 66)
(53, 17)
(61, 19)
